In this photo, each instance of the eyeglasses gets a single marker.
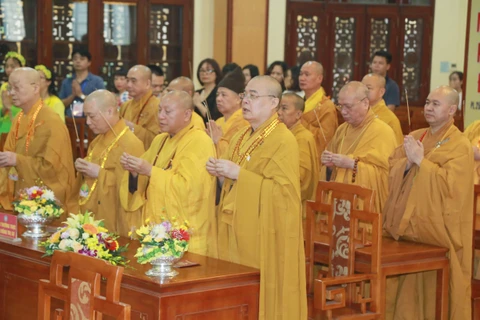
(11, 89)
(349, 107)
(252, 97)
(208, 71)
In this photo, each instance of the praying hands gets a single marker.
(223, 168)
(87, 168)
(331, 159)
(414, 151)
(135, 165)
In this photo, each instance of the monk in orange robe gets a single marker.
(259, 214)
(290, 113)
(358, 153)
(320, 115)
(431, 201)
(37, 149)
(229, 104)
(376, 89)
(140, 113)
(100, 173)
(186, 84)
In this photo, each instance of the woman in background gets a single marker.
(209, 75)
(250, 71)
(456, 82)
(278, 70)
(48, 91)
(13, 60)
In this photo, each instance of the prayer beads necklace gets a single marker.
(85, 199)
(258, 140)
(30, 129)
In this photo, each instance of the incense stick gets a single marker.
(320, 125)
(408, 111)
(209, 118)
(76, 133)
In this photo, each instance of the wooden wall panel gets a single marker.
(249, 32)
(220, 32)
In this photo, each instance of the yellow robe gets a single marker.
(197, 121)
(309, 168)
(372, 142)
(385, 114)
(433, 204)
(143, 114)
(260, 220)
(49, 158)
(320, 117)
(229, 129)
(104, 200)
(57, 105)
(179, 186)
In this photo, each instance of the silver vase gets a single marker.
(36, 225)
(162, 267)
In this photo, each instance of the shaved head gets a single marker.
(311, 77)
(314, 66)
(100, 109)
(353, 102)
(356, 89)
(450, 94)
(270, 85)
(297, 101)
(440, 107)
(182, 84)
(175, 112)
(25, 87)
(376, 87)
(102, 99)
(139, 81)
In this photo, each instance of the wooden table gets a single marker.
(402, 257)
(214, 290)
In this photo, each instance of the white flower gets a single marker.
(158, 231)
(74, 233)
(76, 246)
(48, 195)
(65, 243)
(85, 236)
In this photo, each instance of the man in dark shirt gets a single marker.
(81, 83)
(380, 65)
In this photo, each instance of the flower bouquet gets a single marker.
(85, 235)
(36, 207)
(162, 245)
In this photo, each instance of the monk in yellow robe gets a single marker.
(185, 84)
(358, 153)
(376, 89)
(170, 179)
(140, 113)
(229, 104)
(290, 113)
(100, 173)
(431, 201)
(320, 115)
(259, 214)
(37, 149)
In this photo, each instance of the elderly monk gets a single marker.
(358, 153)
(170, 178)
(259, 214)
(290, 113)
(37, 149)
(185, 84)
(431, 201)
(229, 104)
(320, 116)
(100, 173)
(376, 89)
(140, 113)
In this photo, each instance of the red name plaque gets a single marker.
(8, 226)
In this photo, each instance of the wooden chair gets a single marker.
(82, 292)
(343, 292)
(79, 147)
(475, 245)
